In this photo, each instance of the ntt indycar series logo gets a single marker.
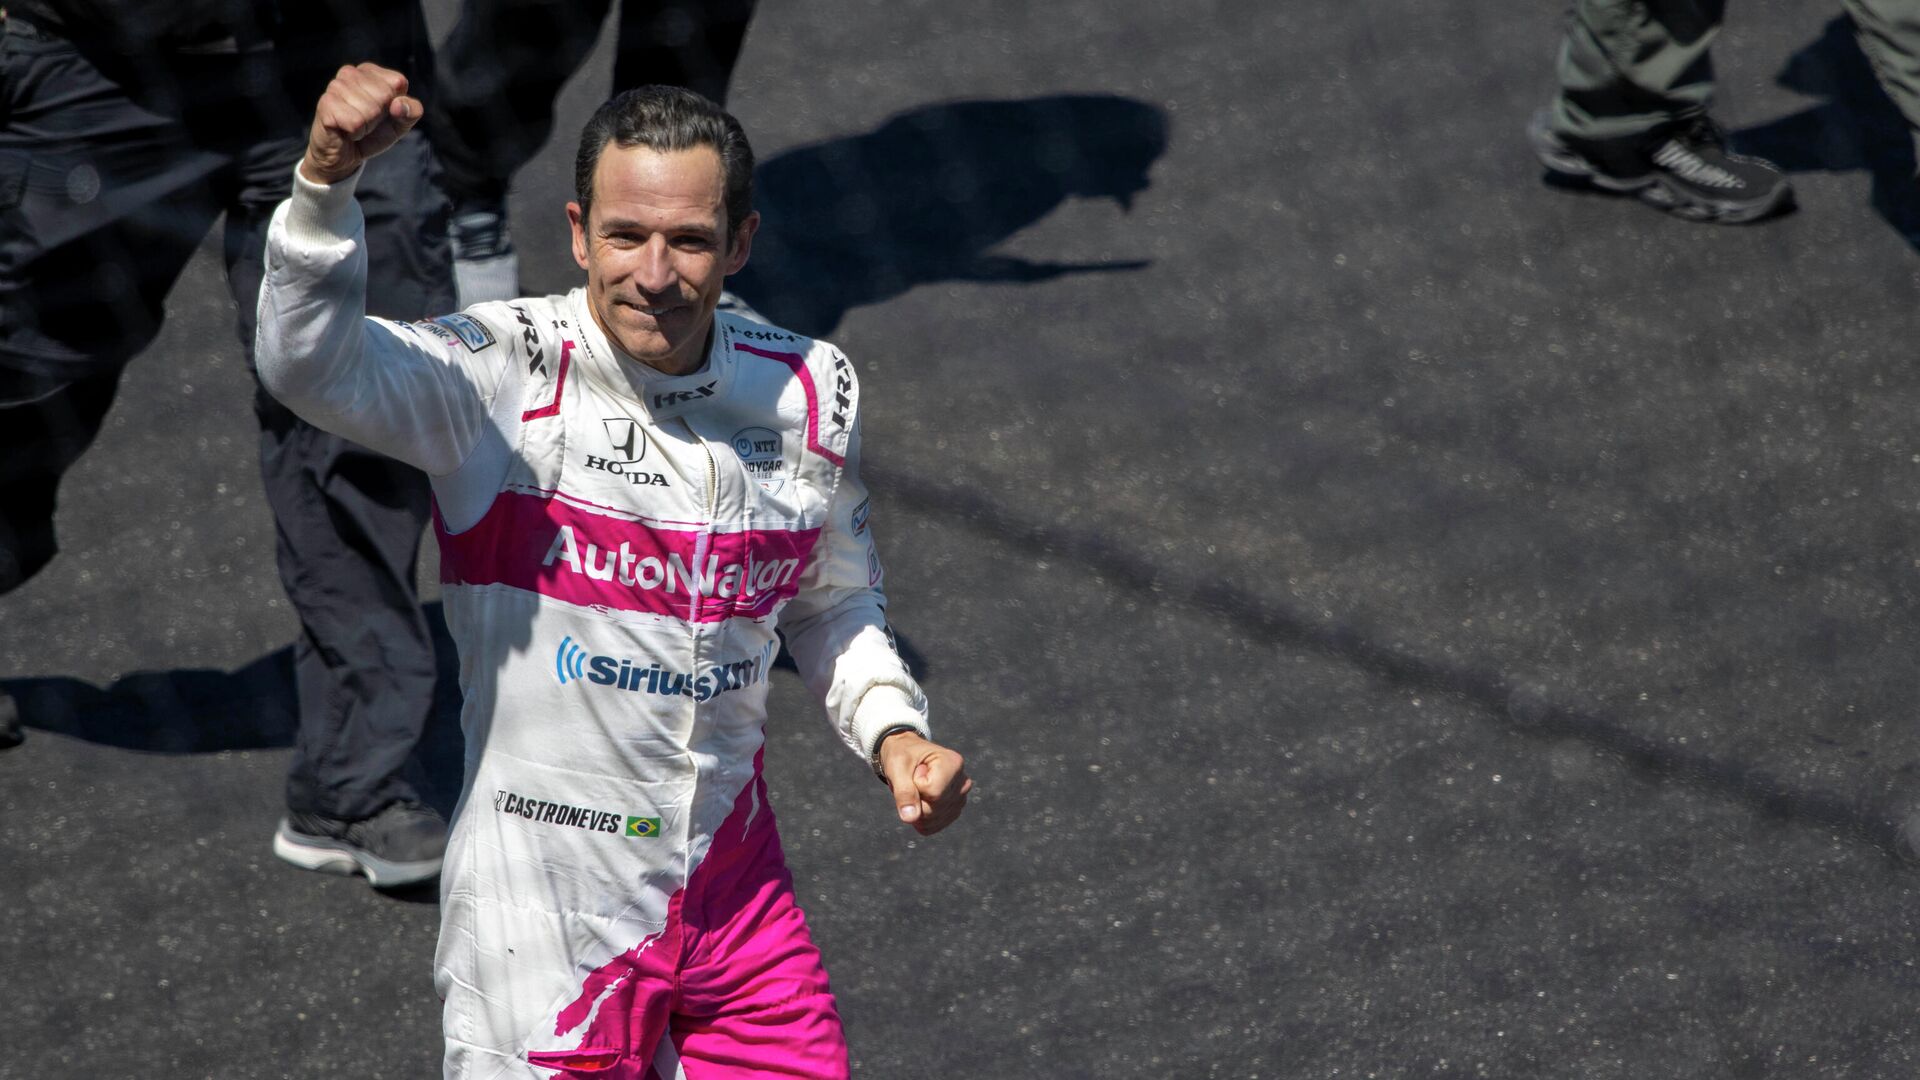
(571, 664)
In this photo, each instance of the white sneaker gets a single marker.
(476, 281)
(485, 266)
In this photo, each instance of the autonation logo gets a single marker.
(573, 663)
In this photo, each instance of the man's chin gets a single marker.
(653, 349)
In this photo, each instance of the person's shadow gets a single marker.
(924, 198)
(204, 711)
(1856, 128)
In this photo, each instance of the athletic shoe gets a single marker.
(485, 266)
(1683, 168)
(400, 845)
(11, 734)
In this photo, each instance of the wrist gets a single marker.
(879, 745)
(314, 172)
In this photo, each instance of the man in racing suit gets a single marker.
(630, 492)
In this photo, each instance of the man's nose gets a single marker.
(655, 273)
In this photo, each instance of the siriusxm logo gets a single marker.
(569, 663)
(572, 663)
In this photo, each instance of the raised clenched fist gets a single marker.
(365, 110)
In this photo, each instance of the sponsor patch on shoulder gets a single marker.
(860, 515)
(436, 331)
(471, 331)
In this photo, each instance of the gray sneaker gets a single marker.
(401, 845)
(1684, 168)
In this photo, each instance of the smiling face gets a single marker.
(656, 249)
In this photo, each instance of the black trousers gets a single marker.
(504, 61)
(110, 176)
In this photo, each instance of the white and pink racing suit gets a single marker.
(617, 546)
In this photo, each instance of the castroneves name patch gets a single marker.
(545, 812)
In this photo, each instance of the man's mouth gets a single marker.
(654, 311)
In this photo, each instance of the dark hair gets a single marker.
(668, 118)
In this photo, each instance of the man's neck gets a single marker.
(693, 363)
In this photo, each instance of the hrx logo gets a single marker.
(680, 397)
(842, 389)
(529, 333)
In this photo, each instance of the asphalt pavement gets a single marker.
(1404, 618)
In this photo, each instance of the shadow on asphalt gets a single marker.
(1858, 128)
(922, 198)
(203, 711)
(1873, 818)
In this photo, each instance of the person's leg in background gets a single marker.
(681, 43)
(103, 200)
(1630, 115)
(348, 524)
(684, 43)
(1627, 67)
(44, 428)
(495, 82)
(1889, 35)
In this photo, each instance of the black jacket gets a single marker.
(138, 26)
(312, 38)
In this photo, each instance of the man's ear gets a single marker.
(740, 244)
(578, 221)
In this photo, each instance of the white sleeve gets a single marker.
(836, 627)
(394, 387)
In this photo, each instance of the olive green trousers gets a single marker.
(1629, 66)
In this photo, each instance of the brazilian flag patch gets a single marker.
(644, 827)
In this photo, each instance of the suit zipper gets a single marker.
(704, 543)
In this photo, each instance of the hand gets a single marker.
(929, 781)
(364, 111)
